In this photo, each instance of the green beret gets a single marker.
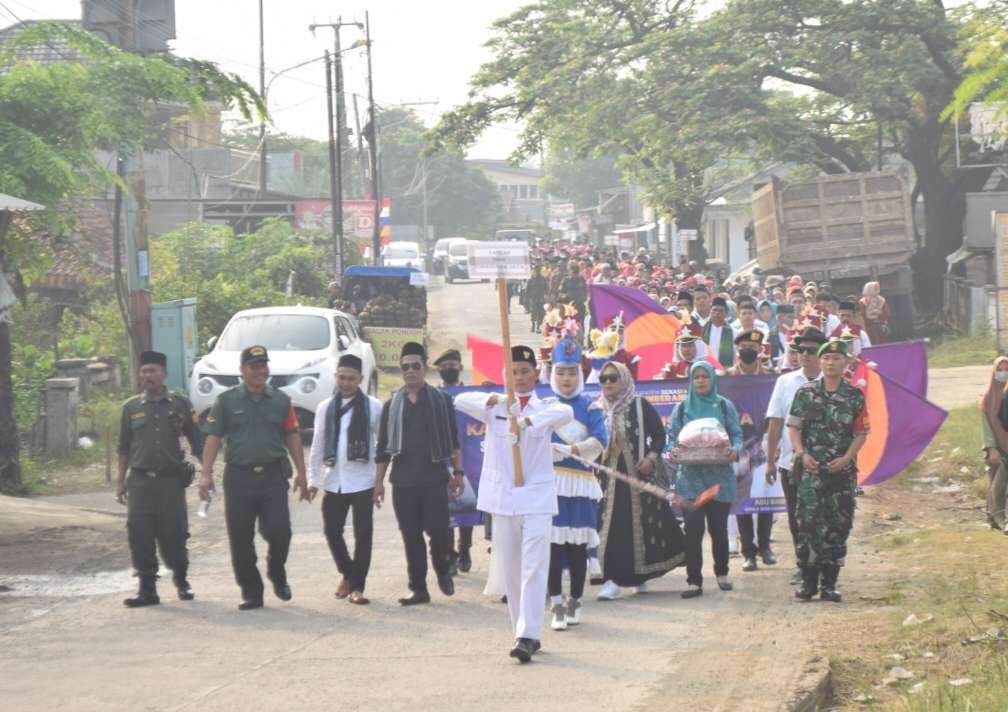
(833, 346)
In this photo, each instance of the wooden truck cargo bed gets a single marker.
(847, 226)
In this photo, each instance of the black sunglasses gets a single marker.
(805, 349)
(608, 378)
(411, 366)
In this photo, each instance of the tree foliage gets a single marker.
(673, 93)
(985, 38)
(579, 180)
(227, 272)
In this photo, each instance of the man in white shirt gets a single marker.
(342, 463)
(807, 344)
(522, 515)
(747, 320)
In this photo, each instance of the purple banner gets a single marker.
(904, 362)
(750, 394)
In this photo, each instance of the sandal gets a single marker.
(358, 598)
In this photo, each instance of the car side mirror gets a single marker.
(344, 342)
(211, 342)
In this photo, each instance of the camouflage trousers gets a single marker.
(825, 514)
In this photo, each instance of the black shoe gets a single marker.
(523, 650)
(185, 592)
(692, 592)
(282, 591)
(250, 604)
(810, 583)
(750, 564)
(536, 646)
(143, 598)
(465, 561)
(453, 561)
(828, 590)
(796, 578)
(446, 584)
(415, 599)
(769, 558)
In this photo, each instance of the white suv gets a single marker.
(304, 345)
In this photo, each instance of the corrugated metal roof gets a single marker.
(54, 51)
(15, 205)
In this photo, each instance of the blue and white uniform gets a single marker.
(578, 491)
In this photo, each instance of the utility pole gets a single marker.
(373, 146)
(426, 229)
(138, 326)
(334, 187)
(336, 162)
(262, 93)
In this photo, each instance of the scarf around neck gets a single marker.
(358, 435)
(439, 414)
(615, 408)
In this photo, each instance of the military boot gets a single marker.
(829, 578)
(810, 583)
(146, 595)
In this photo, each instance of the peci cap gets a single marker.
(811, 335)
(254, 354)
(153, 357)
(523, 354)
(412, 348)
(350, 361)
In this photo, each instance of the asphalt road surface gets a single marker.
(68, 643)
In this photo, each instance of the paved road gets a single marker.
(68, 642)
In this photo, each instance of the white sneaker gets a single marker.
(573, 611)
(559, 617)
(643, 588)
(610, 592)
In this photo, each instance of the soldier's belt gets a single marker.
(263, 469)
(152, 473)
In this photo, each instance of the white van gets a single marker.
(403, 254)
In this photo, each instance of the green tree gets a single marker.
(578, 180)
(52, 120)
(673, 94)
(985, 39)
(460, 200)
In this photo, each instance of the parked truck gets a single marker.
(843, 229)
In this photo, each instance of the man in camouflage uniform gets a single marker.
(828, 425)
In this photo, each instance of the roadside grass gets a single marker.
(949, 570)
(978, 350)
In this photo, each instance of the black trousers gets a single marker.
(249, 497)
(420, 509)
(576, 559)
(335, 506)
(714, 517)
(157, 518)
(754, 542)
(464, 540)
(791, 497)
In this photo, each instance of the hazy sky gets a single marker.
(423, 51)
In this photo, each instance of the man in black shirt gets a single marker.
(418, 437)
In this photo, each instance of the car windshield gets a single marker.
(458, 249)
(401, 251)
(277, 332)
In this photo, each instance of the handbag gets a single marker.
(661, 474)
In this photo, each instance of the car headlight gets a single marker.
(307, 385)
(204, 386)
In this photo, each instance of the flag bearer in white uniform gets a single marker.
(522, 516)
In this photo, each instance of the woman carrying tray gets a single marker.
(703, 401)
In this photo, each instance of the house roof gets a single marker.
(85, 255)
(496, 164)
(16, 205)
(55, 51)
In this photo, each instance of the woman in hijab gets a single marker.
(995, 434)
(703, 401)
(766, 310)
(875, 313)
(640, 537)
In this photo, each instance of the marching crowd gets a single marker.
(568, 482)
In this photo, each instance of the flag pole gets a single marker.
(502, 299)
